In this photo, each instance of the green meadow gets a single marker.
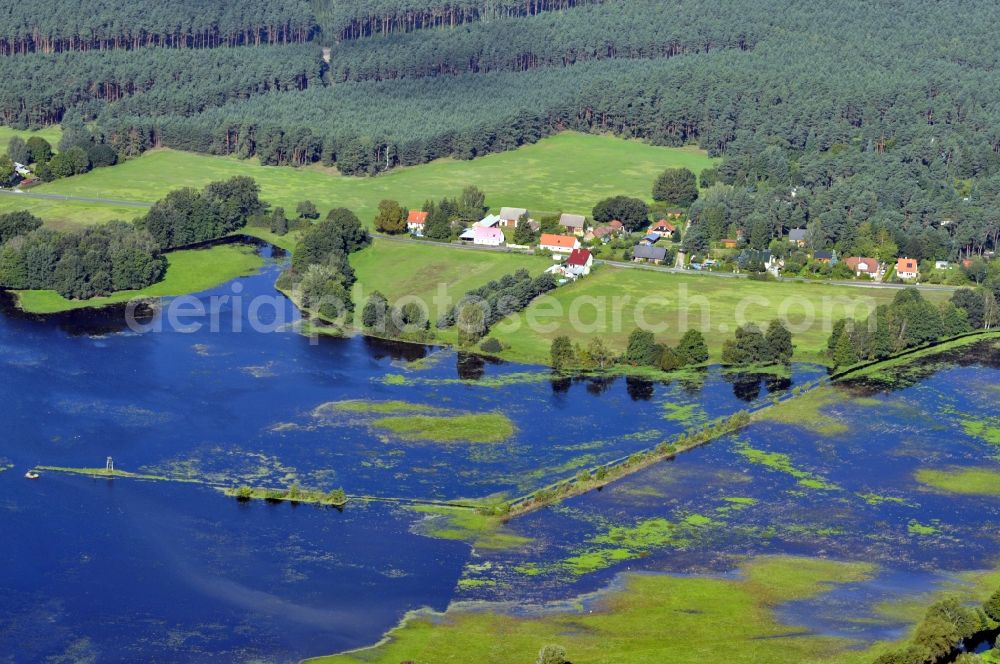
(188, 271)
(401, 269)
(51, 134)
(569, 172)
(611, 301)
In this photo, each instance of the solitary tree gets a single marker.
(562, 353)
(307, 210)
(779, 343)
(642, 349)
(692, 347)
(279, 224)
(632, 212)
(391, 218)
(676, 186)
(18, 151)
(552, 655)
(39, 150)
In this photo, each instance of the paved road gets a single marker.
(676, 270)
(82, 199)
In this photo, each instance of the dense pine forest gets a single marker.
(847, 117)
(55, 26)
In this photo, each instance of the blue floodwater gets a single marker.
(134, 570)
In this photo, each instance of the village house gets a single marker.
(580, 262)
(415, 222)
(487, 236)
(663, 228)
(862, 266)
(602, 233)
(728, 243)
(650, 240)
(573, 223)
(906, 268)
(797, 236)
(942, 265)
(490, 221)
(675, 213)
(560, 244)
(825, 257)
(643, 253)
(510, 217)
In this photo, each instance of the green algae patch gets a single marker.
(876, 499)
(914, 527)
(472, 427)
(468, 525)
(421, 422)
(379, 407)
(689, 414)
(986, 430)
(964, 481)
(782, 463)
(808, 410)
(629, 625)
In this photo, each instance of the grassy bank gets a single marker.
(653, 619)
(568, 172)
(335, 498)
(188, 271)
(107, 474)
(407, 270)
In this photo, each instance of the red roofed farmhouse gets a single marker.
(906, 268)
(415, 222)
(580, 262)
(563, 244)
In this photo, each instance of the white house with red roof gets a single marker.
(861, 265)
(663, 228)
(907, 268)
(580, 262)
(415, 222)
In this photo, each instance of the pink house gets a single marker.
(490, 237)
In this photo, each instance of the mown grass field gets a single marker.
(611, 301)
(188, 271)
(569, 172)
(405, 269)
(654, 619)
(51, 134)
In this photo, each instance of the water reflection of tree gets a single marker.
(473, 367)
(747, 386)
(598, 385)
(639, 389)
(379, 349)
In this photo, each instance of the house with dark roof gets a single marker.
(797, 236)
(651, 239)
(573, 223)
(511, 216)
(644, 253)
(826, 257)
